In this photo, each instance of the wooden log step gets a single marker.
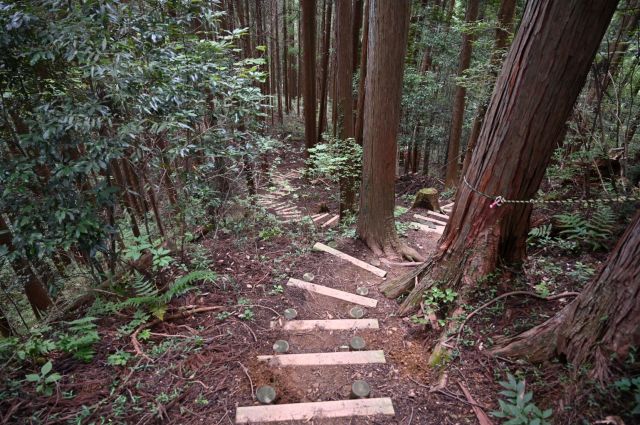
(448, 206)
(320, 217)
(307, 412)
(438, 215)
(317, 215)
(286, 208)
(330, 222)
(328, 325)
(334, 293)
(439, 229)
(435, 221)
(325, 359)
(322, 247)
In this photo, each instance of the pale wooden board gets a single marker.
(435, 214)
(330, 222)
(431, 219)
(316, 215)
(448, 206)
(322, 247)
(320, 217)
(286, 208)
(325, 359)
(329, 325)
(318, 410)
(439, 229)
(334, 293)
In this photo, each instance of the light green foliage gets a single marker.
(581, 272)
(276, 290)
(517, 408)
(45, 380)
(336, 160)
(270, 232)
(399, 210)
(595, 231)
(436, 298)
(119, 358)
(80, 338)
(138, 246)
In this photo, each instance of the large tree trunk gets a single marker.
(457, 116)
(389, 20)
(525, 122)
(600, 327)
(308, 28)
(344, 93)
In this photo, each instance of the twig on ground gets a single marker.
(480, 414)
(246, 372)
(508, 294)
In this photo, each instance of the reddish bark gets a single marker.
(308, 29)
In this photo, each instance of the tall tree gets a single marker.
(389, 22)
(457, 116)
(503, 31)
(524, 124)
(308, 28)
(600, 326)
(344, 93)
(324, 73)
(363, 76)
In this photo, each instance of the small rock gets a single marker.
(411, 394)
(361, 290)
(375, 262)
(357, 312)
(266, 394)
(308, 277)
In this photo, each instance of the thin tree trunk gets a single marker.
(344, 93)
(389, 20)
(309, 65)
(503, 30)
(324, 79)
(285, 58)
(5, 327)
(358, 8)
(278, 78)
(363, 76)
(457, 116)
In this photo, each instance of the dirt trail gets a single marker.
(404, 377)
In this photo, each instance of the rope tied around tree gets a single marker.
(500, 200)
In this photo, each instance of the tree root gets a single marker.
(402, 284)
(393, 249)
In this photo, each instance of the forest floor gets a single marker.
(200, 368)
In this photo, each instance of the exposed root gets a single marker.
(398, 286)
(393, 249)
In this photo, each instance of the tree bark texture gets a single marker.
(324, 78)
(344, 93)
(600, 327)
(363, 76)
(525, 121)
(308, 29)
(388, 20)
(457, 115)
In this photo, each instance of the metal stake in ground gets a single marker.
(266, 394)
(360, 389)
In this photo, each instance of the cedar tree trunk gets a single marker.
(308, 28)
(389, 23)
(544, 71)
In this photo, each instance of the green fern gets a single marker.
(147, 295)
(541, 232)
(594, 232)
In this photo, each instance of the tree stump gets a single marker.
(427, 198)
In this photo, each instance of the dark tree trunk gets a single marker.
(358, 7)
(5, 327)
(324, 78)
(344, 93)
(389, 20)
(457, 116)
(525, 122)
(278, 64)
(363, 76)
(285, 59)
(600, 327)
(309, 71)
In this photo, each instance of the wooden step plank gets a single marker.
(316, 215)
(435, 221)
(438, 215)
(329, 325)
(286, 207)
(318, 410)
(320, 217)
(448, 206)
(439, 229)
(325, 359)
(334, 293)
(330, 222)
(322, 247)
